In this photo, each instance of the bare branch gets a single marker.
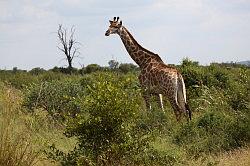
(68, 44)
(60, 49)
(75, 52)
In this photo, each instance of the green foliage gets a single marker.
(21, 79)
(189, 62)
(37, 71)
(104, 111)
(64, 70)
(233, 83)
(106, 126)
(213, 132)
(127, 67)
(58, 98)
(217, 126)
(91, 68)
(220, 97)
(17, 79)
(211, 76)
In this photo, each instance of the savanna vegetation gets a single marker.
(96, 116)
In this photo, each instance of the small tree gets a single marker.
(113, 64)
(68, 44)
(91, 68)
(127, 67)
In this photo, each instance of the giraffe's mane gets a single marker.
(156, 56)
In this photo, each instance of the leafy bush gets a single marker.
(213, 132)
(21, 80)
(18, 80)
(127, 67)
(59, 98)
(218, 127)
(233, 83)
(37, 71)
(91, 68)
(64, 70)
(108, 126)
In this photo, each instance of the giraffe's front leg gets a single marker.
(160, 101)
(146, 95)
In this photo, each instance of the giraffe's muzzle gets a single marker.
(107, 33)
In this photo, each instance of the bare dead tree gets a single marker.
(68, 45)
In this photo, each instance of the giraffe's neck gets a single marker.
(139, 54)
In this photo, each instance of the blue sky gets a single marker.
(203, 30)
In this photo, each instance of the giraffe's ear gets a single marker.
(110, 21)
(120, 23)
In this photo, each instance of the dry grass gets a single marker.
(23, 137)
(239, 157)
(15, 142)
(16, 152)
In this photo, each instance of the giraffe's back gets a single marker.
(159, 78)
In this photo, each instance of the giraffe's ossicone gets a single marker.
(156, 78)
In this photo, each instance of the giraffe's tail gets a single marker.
(181, 94)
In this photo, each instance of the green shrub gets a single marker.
(92, 68)
(233, 83)
(212, 133)
(21, 80)
(18, 80)
(108, 127)
(104, 126)
(37, 71)
(217, 127)
(127, 67)
(59, 98)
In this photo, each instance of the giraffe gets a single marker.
(156, 78)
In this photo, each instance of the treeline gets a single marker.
(123, 68)
(113, 66)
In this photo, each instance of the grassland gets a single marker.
(45, 119)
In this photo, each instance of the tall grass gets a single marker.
(15, 143)
(24, 136)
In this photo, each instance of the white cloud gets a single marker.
(200, 29)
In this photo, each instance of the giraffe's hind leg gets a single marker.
(182, 103)
(181, 97)
(174, 103)
(181, 100)
(176, 108)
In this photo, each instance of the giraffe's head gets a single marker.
(114, 27)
